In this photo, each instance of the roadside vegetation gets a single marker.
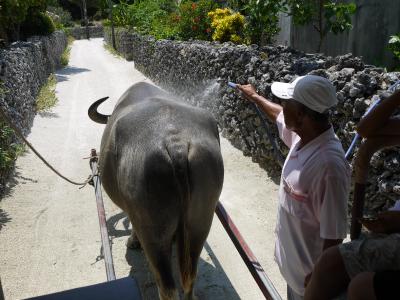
(47, 96)
(9, 146)
(110, 49)
(237, 21)
(394, 47)
(67, 51)
(10, 149)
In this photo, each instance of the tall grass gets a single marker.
(47, 95)
(65, 56)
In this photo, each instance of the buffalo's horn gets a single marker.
(94, 115)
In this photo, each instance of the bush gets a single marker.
(165, 27)
(262, 20)
(61, 18)
(227, 25)
(144, 16)
(15, 12)
(394, 47)
(47, 96)
(9, 150)
(122, 14)
(37, 24)
(193, 20)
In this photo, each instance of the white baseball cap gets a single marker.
(315, 92)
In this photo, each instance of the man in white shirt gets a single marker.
(315, 180)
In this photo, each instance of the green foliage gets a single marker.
(262, 20)
(61, 18)
(64, 60)
(122, 14)
(146, 16)
(15, 13)
(237, 5)
(193, 20)
(12, 14)
(338, 16)
(9, 150)
(145, 13)
(394, 47)
(227, 25)
(47, 96)
(110, 49)
(165, 27)
(302, 11)
(38, 23)
(325, 16)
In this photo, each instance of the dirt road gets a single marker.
(49, 236)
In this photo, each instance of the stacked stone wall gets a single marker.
(79, 33)
(123, 41)
(24, 68)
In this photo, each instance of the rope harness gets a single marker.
(21, 136)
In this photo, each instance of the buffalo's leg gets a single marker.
(159, 256)
(188, 265)
(189, 250)
(133, 241)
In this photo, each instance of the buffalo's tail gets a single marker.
(94, 115)
(179, 156)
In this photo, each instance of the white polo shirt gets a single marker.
(313, 193)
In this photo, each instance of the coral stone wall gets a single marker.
(24, 68)
(80, 32)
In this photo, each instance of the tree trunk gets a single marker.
(85, 18)
(14, 33)
(320, 24)
(112, 24)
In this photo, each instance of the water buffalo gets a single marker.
(160, 161)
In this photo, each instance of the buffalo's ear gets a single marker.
(94, 115)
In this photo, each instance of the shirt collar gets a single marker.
(304, 153)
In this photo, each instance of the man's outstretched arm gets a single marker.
(271, 109)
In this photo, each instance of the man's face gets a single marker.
(292, 114)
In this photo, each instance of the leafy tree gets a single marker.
(92, 6)
(237, 4)
(14, 12)
(324, 15)
(262, 20)
(394, 47)
(61, 17)
(194, 21)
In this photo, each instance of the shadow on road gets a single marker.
(4, 218)
(62, 74)
(112, 222)
(211, 283)
(14, 178)
(48, 114)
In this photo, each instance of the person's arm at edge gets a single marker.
(327, 244)
(379, 117)
(330, 243)
(271, 109)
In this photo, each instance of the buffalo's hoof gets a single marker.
(190, 297)
(133, 243)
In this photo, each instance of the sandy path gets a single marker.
(50, 241)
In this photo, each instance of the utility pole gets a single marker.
(85, 18)
(110, 5)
